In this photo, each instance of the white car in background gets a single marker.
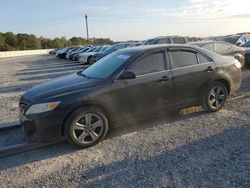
(85, 57)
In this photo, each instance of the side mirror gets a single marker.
(238, 44)
(128, 75)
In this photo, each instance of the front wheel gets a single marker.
(86, 127)
(215, 97)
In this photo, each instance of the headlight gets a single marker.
(237, 64)
(43, 107)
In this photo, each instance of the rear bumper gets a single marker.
(42, 129)
(236, 80)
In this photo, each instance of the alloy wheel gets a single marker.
(88, 128)
(217, 97)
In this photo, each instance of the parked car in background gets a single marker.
(166, 40)
(246, 46)
(85, 57)
(62, 53)
(108, 51)
(77, 56)
(71, 51)
(238, 39)
(84, 49)
(223, 48)
(125, 86)
(53, 52)
(134, 44)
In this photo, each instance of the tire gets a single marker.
(215, 97)
(86, 127)
(91, 61)
(88, 60)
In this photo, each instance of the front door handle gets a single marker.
(209, 69)
(164, 79)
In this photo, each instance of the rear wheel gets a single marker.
(215, 97)
(88, 60)
(86, 127)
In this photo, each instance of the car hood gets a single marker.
(59, 87)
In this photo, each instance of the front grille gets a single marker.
(23, 106)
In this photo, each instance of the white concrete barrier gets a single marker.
(23, 53)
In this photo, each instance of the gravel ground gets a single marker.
(190, 149)
(20, 74)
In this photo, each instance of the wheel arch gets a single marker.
(226, 83)
(87, 105)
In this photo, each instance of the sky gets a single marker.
(125, 19)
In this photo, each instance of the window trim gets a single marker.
(197, 54)
(178, 38)
(212, 43)
(144, 55)
(185, 50)
(169, 41)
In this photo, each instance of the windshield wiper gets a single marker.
(81, 74)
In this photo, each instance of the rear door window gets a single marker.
(149, 64)
(203, 59)
(179, 40)
(221, 47)
(164, 41)
(209, 46)
(183, 58)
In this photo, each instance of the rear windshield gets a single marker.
(230, 39)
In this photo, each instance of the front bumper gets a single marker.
(45, 128)
(83, 60)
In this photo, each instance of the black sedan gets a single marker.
(108, 51)
(246, 46)
(125, 86)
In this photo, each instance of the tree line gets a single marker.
(10, 42)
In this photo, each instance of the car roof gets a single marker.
(145, 48)
(175, 36)
(207, 42)
(154, 47)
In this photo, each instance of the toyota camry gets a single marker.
(125, 86)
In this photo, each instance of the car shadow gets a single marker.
(157, 118)
(64, 148)
(219, 160)
(51, 66)
(45, 76)
(50, 70)
(17, 88)
(37, 76)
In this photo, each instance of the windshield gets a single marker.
(97, 49)
(230, 39)
(104, 48)
(246, 44)
(106, 66)
(110, 49)
(147, 42)
(90, 50)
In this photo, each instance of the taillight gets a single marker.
(237, 64)
(242, 50)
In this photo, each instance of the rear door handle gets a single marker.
(209, 69)
(164, 79)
